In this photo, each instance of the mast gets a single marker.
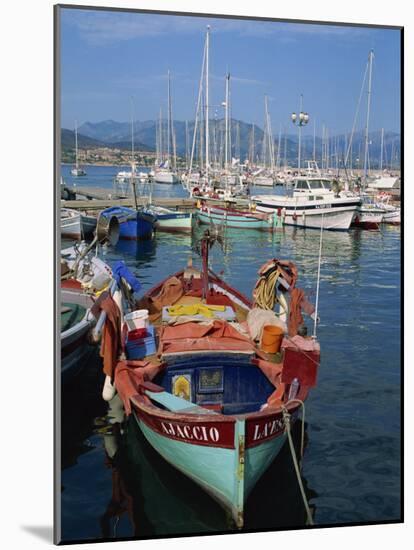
(382, 147)
(132, 131)
(76, 143)
(186, 144)
(160, 138)
(169, 121)
(278, 148)
(237, 144)
(370, 57)
(314, 139)
(226, 139)
(323, 148)
(207, 101)
(300, 131)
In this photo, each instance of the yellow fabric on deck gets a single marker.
(195, 309)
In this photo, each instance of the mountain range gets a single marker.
(113, 134)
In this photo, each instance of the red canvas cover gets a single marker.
(218, 335)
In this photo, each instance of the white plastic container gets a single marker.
(137, 319)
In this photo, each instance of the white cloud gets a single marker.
(100, 28)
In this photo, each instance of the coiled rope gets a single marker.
(264, 294)
(286, 418)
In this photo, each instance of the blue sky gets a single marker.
(107, 57)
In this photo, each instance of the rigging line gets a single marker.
(198, 108)
(356, 113)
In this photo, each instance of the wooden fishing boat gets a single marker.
(367, 217)
(240, 219)
(76, 225)
(209, 401)
(83, 278)
(133, 223)
(171, 221)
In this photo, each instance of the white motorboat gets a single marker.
(312, 204)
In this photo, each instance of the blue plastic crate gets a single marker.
(137, 349)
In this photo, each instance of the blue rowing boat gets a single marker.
(133, 224)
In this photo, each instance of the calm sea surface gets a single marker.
(351, 468)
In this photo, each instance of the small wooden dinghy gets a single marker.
(83, 278)
(210, 401)
(239, 219)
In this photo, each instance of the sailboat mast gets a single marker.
(371, 55)
(76, 143)
(226, 140)
(186, 144)
(160, 138)
(279, 148)
(132, 130)
(207, 102)
(169, 121)
(382, 147)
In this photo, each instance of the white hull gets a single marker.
(78, 172)
(166, 177)
(392, 217)
(76, 225)
(172, 220)
(334, 218)
(263, 182)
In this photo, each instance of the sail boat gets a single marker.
(77, 170)
(166, 172)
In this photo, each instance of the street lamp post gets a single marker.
(300, 119)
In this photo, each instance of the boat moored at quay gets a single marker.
(200, 385)
(312, 203)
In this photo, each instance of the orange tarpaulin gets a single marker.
(218, 335)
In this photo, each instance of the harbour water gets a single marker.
(351, 467)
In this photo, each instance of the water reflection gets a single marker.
(141, 251)
(151, 498)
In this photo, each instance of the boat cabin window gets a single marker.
(316, 184)
(302, 184)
